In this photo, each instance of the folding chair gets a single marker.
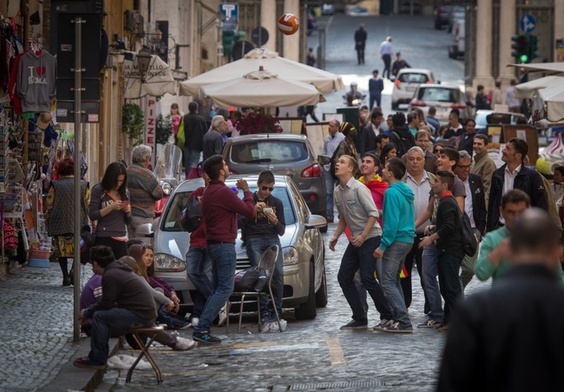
(151, 334)
(267, 264)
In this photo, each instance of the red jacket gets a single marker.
(377, 187)
(198, 236)
(220, 206)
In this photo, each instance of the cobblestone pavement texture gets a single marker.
(36, 328)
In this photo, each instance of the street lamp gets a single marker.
(143, 61)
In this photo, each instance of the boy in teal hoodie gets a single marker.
(396, 243)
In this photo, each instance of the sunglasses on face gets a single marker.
(264, 188)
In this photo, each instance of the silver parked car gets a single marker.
(287, 154)
(302, 247)
(444, 97)
(405, 83)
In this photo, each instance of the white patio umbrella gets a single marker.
(284, 68)
(146, 74)
(529, 89)
(551, 68)
(550, 100)
(262, 89)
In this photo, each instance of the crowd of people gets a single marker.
(125, 292)
(446, 175)
(402, 189)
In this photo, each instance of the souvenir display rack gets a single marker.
(11, 181)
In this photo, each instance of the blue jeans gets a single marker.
(375, 98)
(389, 274)
(191, 158)
(198, 269)
(330, 187)
(362, 258)
(111, 323)
(431, 285)
(224, 262)
(255, 247)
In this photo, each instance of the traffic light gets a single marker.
(520, 46)
(228, 40)
(533, 47)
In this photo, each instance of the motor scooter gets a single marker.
(167, 170)
(354, 97)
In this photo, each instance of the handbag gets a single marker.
(181, 135)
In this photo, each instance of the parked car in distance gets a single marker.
(497, 118)
(356, 10)
(405, 7)
(457, 12)
(405, 83)
(458, 48)
(441, 16)
(286, 154)
(302, 247)
(327, 9)
(442, 96)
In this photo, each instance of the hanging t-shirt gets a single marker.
(37, 81)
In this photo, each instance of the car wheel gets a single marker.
(451, 52)
(394, 105)
(307, 311)
(321, 295)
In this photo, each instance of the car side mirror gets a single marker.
(315, 221)
(323, 159)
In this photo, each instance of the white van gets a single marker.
(458, 48)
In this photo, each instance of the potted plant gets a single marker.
(257, 122)
(163, 128)
(133, 122)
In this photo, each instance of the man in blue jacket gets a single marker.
(397, 240)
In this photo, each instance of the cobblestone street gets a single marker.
(309, 355)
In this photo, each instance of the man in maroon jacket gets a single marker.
(220, 206)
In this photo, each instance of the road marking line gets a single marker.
(336, 354)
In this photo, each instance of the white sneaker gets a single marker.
(222, 316)
(195, 321)
(267, 327)
(283, 324)
(183, 344)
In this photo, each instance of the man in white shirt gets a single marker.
(514, 175)
(387, 52)
(329, 146)
(358, 211)
(474, 207)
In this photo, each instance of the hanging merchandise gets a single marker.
(61, 149)
(36, 82)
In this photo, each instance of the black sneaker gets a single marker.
(205, 337)
(356, 324)
(383, 324)
(396, 328)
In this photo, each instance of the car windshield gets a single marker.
(173, 215)
(268, 151)
(413, 78)
(437, 94)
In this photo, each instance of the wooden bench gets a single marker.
(150, 333)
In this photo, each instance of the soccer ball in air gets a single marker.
(288, 24)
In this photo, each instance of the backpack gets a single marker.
(469, 241)
(404, 144)
(192, 214)
(332, 164)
